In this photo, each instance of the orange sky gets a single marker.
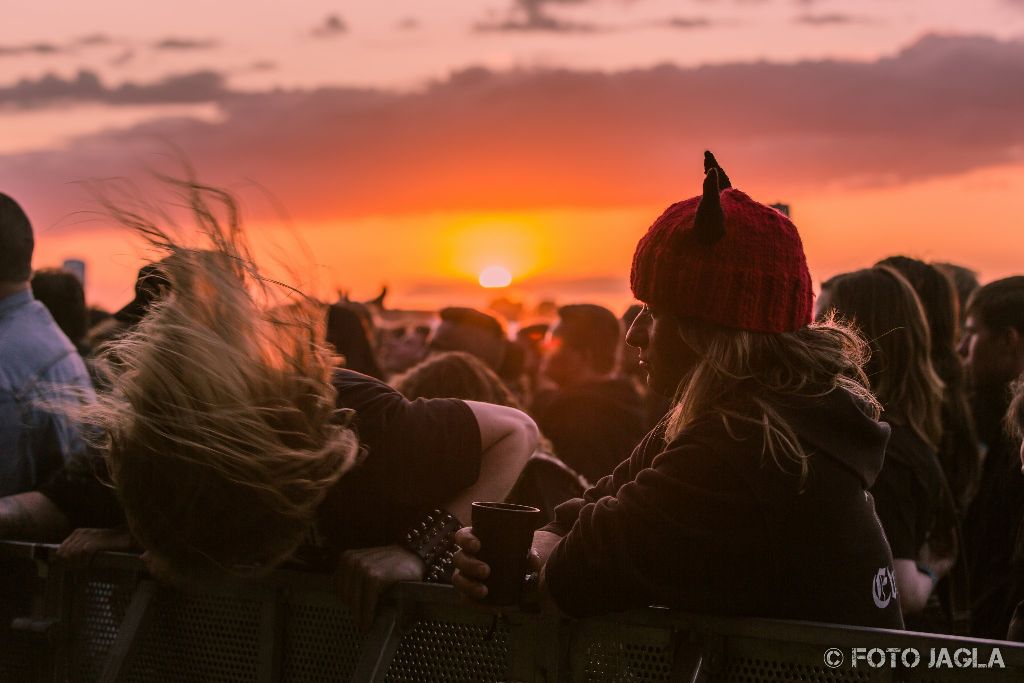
(415, 149)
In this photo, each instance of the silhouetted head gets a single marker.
(62, 293)
(583, 345)
(472, 331)
(16, 242)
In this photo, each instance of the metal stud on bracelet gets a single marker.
(433, 541)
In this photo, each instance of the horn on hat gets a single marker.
(710, 162)
(709, 223)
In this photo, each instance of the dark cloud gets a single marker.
(123, 57)
(523, 139)
(49, 90)
(533, 16)
(686, 23)
(332, 26)
(185, 44)
(830, 19)
(95, 40)
(92, 40)
(31, 49)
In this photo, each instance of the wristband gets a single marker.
(925, 569)
(432, 540)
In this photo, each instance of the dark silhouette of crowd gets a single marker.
(733, 444)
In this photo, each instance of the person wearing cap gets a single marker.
(751, 496)
(40, 370)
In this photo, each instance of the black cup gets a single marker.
(505, 531)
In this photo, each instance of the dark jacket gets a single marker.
(593, 426)
(993, 527)
(712, 524)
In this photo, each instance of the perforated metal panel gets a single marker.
(321, 643)
(749, 670)
(198, 638)
(444, 651)
(612, 661)
(98, 611)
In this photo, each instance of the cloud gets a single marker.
(50, 48)
(48, 90)
(123, 57)
(532, 16)
(482, 140)
(408, 24)
(95, 39)
(331, 27)
(829, 19)
(185, 44)
(30, 49)
(686, 23)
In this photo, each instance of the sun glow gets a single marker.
(495, 277)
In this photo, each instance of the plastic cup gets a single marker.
(505, 531)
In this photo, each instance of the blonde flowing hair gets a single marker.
(750, 377)
(222, 434)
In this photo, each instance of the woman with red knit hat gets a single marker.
(751, 495)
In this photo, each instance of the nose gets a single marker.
(639, 333)
(961, 348)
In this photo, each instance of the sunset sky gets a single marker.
(415, 144)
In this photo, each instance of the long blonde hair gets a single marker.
(222, 435)
(748, 376)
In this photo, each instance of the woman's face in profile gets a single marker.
(664, 356)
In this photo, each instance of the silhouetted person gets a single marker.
(911, 495)
(64, 297)
(594, 417)
(1015, 426)
(40, 370)
(964, 280)
(993, 351)
(472, 331)
(958, 447)
(348, 333)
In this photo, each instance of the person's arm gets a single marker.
(470, 572)
(508, 437)
(915, 581)
(31, 516)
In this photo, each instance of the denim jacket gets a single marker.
(40, 371)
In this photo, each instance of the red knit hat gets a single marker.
(726, 259)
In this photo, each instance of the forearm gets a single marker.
(914, 586)
(31, 516)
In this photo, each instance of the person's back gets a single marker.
(592, 425)
(593, 417)
(728, 533)
(40, 370)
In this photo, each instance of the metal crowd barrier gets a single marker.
(111, 622)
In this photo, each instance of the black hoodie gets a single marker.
(712, 524)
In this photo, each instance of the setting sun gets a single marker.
(494, 277)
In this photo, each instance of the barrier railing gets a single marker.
(111, 622)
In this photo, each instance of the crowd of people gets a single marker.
(730, 445)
